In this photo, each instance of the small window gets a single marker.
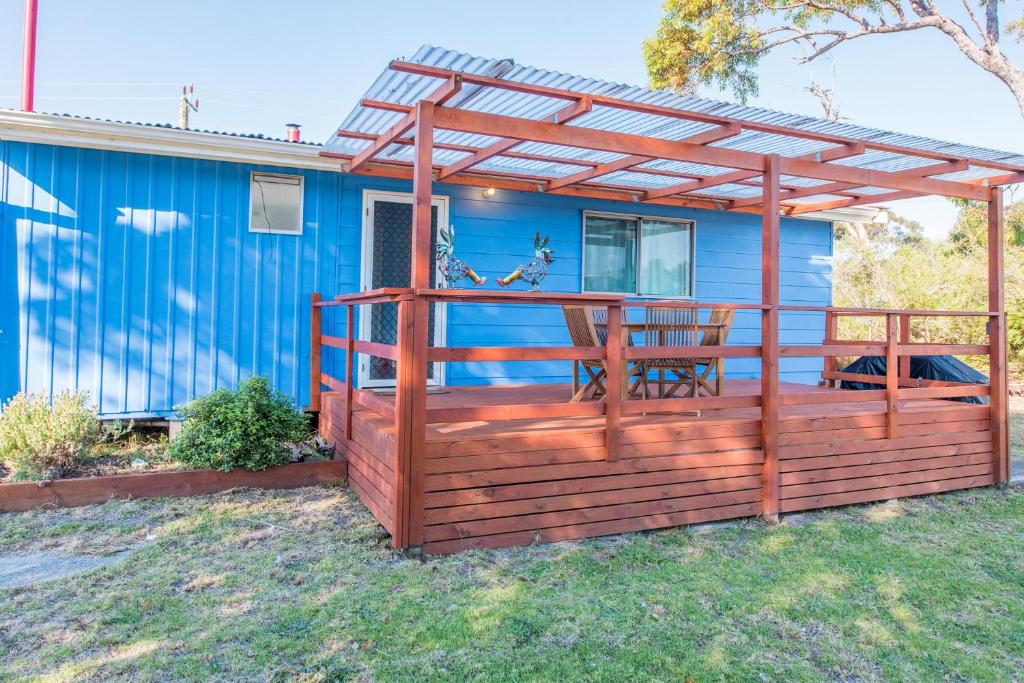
(275, 203)
(638, 255)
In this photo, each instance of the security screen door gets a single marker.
(387, 245)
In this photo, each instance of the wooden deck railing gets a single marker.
(412, 355)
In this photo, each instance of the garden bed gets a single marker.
(19, 496)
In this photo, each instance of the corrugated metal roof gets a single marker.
(407, 89)
(168, 126)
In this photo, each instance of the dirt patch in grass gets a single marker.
(301, 585)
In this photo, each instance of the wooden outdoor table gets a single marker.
(631, 328)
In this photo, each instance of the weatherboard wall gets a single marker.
(134, 277)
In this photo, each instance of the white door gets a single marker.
(387, 262)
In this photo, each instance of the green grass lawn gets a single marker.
(302, 586)
(1017, 434)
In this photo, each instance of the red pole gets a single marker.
(28, 57)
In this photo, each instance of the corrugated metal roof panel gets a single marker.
(407, 89)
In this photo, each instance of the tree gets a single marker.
(894, 266)
(704, 42)
(970, 231)
(895, 231)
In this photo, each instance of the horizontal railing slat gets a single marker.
(334, 383)
(336, 342)
(513, 353)
(818, 397)
(840, 349)
(944, 392)
(514, 412)
(388, 351)
(943, 349)
(642, 352)
(656, 405)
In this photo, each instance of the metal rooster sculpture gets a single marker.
(453, 269)
(536, 270)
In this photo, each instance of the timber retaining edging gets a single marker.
(20, 496)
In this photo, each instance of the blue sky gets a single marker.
(259, 65)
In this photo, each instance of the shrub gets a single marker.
(40, 438)
(241, 428)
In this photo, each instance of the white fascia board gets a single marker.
(49, 129)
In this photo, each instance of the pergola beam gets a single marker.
(840, 152)
(626, 143)
(575, 110)
(566, 161)
(829, 188)
(440, 95)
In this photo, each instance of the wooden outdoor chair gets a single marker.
(669, 326)
(584, 333)
(715, 337)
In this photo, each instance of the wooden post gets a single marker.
(770, 338)
(418, 418)
(614, 382)
(892, 381)
(350, 366)
(905, 339)
(403, 431)
(413, 323)
(998, 386)
(422, 182)
(831, 334)
(314, 353)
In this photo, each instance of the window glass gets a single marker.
(610, 254)
(275, 203)
(637, 255)
(665, 258)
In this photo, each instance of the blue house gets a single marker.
(149, 265)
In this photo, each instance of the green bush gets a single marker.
(242, 428)
(40, 438)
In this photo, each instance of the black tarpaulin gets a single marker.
(944, 368)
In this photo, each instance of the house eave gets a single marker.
(50, 129)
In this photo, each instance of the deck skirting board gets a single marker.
(497, 483)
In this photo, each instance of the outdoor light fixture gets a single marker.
(489, 192)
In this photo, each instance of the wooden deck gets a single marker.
(490, 483)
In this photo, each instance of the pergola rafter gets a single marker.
(444, 92)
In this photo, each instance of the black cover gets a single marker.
(945, 368)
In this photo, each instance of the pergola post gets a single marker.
(770, 338)
(999, 397)
(413, 323)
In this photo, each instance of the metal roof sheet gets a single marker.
(406, 89)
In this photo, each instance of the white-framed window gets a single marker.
(638, 255)
(275, 203)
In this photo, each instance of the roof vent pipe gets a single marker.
(28, 58)
(292, 132)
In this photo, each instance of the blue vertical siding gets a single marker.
(134, 277)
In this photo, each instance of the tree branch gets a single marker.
(974, 18)
(991, 32)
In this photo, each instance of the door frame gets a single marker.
(366, 279)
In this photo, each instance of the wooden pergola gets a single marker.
(836, 175)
